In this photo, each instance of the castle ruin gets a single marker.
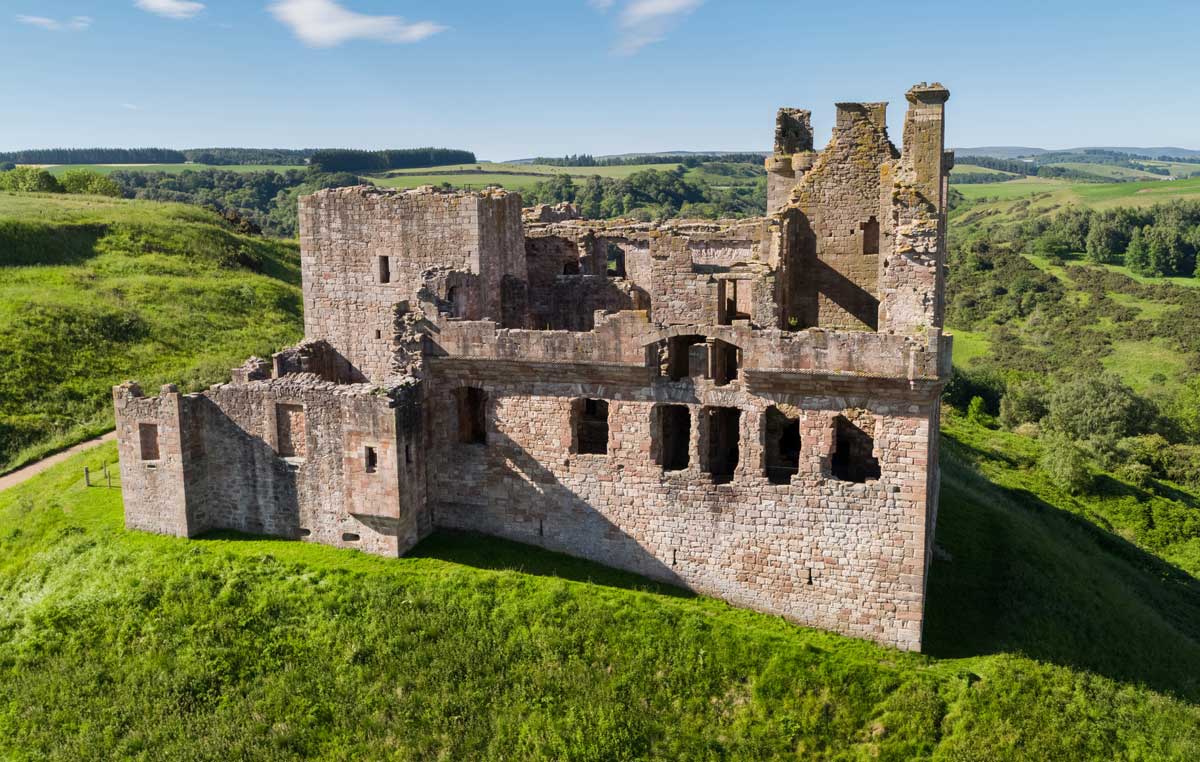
(747, 408)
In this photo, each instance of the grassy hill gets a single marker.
(93, 291)
(1047, 639)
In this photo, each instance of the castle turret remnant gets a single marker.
(747, 408)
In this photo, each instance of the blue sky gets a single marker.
(514, 78)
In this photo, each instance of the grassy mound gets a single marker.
(1048, 639)
(94, 290)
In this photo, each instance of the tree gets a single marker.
(90, 182)
(1064, 462)
(1137, 256)
(1097, 411)
(29, 180)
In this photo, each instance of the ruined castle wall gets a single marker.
(156, 445)
(672, 270)
(625, 338)
(847, 228)
(911, 277)
(844, 556)
(354, 239)
(287, 458)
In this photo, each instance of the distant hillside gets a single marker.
(1016, 152)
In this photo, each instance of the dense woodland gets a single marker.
(224, 157)
(1162, 240)
(653, 194)
(348, 160)
(95, 156)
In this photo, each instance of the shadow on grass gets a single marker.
(481, 551)
(26, 243)
(1025, 576)
(485, 552)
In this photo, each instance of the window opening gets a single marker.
(870, 231)
(472, 415)
(614, 261)
(385, 270)
(148, 437)
(372, 460)
(723, 439)
(782, 434)
(591, 427)
(852, 456)
(290, 430)
(674, 435)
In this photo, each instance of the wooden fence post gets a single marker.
(87, 477)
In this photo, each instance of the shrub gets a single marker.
(90, 182)
(1097, 410)
(977, 413)
(1064, 462)
(1137, 474)
(1023, 402)
(29, 180)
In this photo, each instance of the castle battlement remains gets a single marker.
(747, 408)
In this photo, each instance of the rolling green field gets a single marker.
(975, 169)
(119, 644)
(1109, 170)
(510, 176)
(94, 291)
(1092, 195)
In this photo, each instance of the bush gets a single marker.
(29, 180)
(977, 413)
(1098, 411)
(89, 182)
(1064, 462)
(1023, 402)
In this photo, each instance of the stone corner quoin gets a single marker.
(747, 408)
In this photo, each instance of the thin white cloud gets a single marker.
(75, 23)
(642, 22)
(324, 23)
(172, 9)
(131, 107)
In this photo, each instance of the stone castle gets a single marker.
(747, 408)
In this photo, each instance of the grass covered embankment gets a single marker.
(96, 290)
(1047, 637)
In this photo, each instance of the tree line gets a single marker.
(352, 160)
(225, 157)
(650, 195)
(332, 160)
(95, 156)
(1162, 240)
(686, 159)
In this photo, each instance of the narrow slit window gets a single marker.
(782, 453)
(372, 460)
(674, 432)
(723, 424)
(148, 438)
(385, 270)
(472, 415)
(350, 537)
(571, 267)
(591, 427)
(853, 455)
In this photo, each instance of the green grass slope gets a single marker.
(1047, 637)
(95, 290)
